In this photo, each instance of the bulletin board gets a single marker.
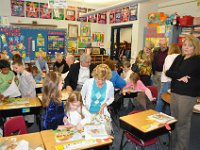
(29, 41)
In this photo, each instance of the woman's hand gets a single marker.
(184, 79)
(102, 108)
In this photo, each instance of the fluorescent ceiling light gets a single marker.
(123, 4)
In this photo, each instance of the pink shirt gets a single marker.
(139, 86)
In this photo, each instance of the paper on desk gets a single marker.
(22, 145)
(12, 90)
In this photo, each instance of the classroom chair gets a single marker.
(140, 142)
(15, 126)
(154, 92)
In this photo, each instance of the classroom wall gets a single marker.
(182, 7)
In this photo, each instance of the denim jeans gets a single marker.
(160, 102)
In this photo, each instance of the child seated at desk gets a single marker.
(76, 114)
(136, 84)
(53, 113)
(36, 75)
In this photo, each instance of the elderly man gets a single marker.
(70, 59)
(79, 73)
(159, 57)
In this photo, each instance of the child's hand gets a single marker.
(123, 93)
(16, 78)
(9, 81)
(152, 99)
(67, 123)
(79, 126)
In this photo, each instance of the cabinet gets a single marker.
(187, 30)
(96, 59)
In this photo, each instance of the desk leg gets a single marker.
(38, 121)
(170, 140)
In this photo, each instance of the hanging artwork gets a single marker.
(55, 4)
(125, 14)
(40, 40)
(58, 14)
(72, 46)
(133, 12)
(85, 29)
(92, 18)
(32, 9)
(118, 16)
(98, 38)
(80, 12)
(72, 30)
(45, 12)
(102, 18)
(84, 42)
(17, 8)
(70, 13)
(112, 16)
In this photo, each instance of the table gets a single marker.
(34, 139)
(65, 95)
(138, 123)
(50, 143)
(30, 106)
(166, 97)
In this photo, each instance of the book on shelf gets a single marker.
(162, 118)
(97, 131)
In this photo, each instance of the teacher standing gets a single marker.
(185, 88)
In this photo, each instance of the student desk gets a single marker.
(10, 109)
(50, 143)
(34, 139)
(138, 123)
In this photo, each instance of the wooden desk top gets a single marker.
(20, 103)
(34, 139)
(141, 122)
(65, 95)
(166, 97)
(50, 143)
(39, 85)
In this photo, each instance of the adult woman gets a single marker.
(185, 87)
(173, 52)
(144, 62)
(98, 92)
(60, 65)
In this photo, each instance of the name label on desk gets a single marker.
(25, 110)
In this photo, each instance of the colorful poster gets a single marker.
(55, 4)
(118, 16)
(98, 38)
(133, 12)
(92, 18)
(84, 42)
(58, 14)
(72, 46)
(32, 9)
(56, 43)
(112, 17)
(40, 40)
(17, 8)
(70, 13)
(80, 12)
(85, 29)
(125, 14)
(45, 12)
(102, 18)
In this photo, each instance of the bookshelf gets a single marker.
(96, 59)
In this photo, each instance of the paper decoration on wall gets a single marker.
(45, 12)
(84, 42)
(33, 45)
(98, 38)
(72, 46)
(70, 13)
(80, 12)
(29, 46)
(125, 14)
(17, 8)
(57, 4)
(40, 40)
(118, 16)
(102, 18)
(58, 14)
(92, 18)
(32, 9)
(112, 17)
(85, 29)
(133, 12)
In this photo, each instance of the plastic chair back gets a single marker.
(15, 126)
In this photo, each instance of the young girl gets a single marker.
(126, 71)
(76, 114)
(36, 75)
(51, 100)
(26, 82)
(137, 85)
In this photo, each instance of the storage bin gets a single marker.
(186, 21)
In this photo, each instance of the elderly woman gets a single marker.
(41, 63)
(98, 92)
(185, 88)
(144, 62)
